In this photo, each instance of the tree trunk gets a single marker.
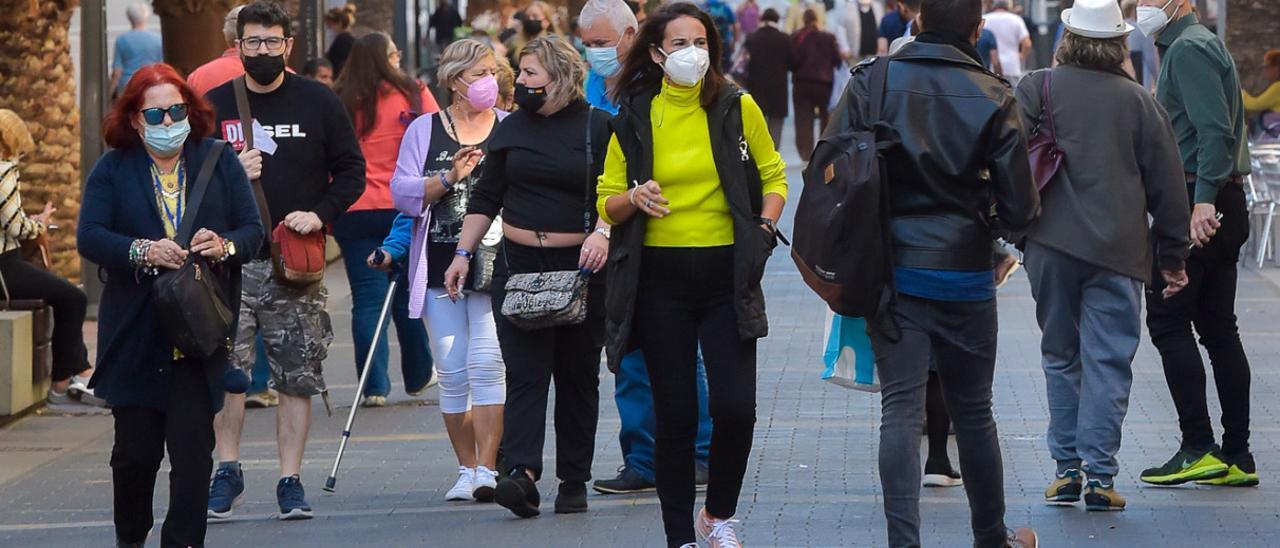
(192, 31)
(1248, 23)
(374, 16)
(37, 81)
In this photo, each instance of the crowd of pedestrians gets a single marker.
(618, 191)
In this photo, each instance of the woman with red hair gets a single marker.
(134, 202)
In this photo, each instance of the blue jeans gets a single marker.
(358, 233)
(634, 397)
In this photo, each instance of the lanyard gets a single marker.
(174, 216)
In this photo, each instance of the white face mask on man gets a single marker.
(1152, 20)
(686, 66)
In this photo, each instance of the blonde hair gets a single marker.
(460, 56)
(506, 79)
(548, 16)
(15, 138)
(563, 65)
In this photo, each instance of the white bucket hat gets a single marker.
(1096, 19)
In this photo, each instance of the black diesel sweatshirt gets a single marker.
(317, 165)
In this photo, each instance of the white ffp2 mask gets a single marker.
(686, 66)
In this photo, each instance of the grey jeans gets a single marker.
(1092, 321)
(961, 338)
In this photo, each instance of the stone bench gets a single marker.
(23, 384)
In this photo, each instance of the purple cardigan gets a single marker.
(407, 190)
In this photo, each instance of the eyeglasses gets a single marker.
(155, 116)
(253, 43)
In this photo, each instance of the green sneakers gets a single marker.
(1187, 466)
(1102, 498)
(1241, 473)
(1065, 489)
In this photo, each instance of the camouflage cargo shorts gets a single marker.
(295, 329)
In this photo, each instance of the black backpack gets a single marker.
(842, 241)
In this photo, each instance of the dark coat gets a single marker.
(769, 53)
(752, 245)
(135, 358)
(1122, 163)
(962, 148)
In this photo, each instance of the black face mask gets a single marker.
(532, 27)
(530, 99)
(264, 69)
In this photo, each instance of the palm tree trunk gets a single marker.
(192, 30)
(37, 80)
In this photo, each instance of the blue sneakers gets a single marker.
(292, 499)
(226, 491)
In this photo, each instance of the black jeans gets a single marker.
(1208, 304)
(961, 339)
(142, 434)
(569, 354)
(25, 281)
(686, 298)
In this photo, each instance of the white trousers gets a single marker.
(464, 344)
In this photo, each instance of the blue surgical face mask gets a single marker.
(165, 140)
(604, 61)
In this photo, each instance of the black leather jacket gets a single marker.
(962, 149)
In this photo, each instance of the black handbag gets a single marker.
(193, 309)
(538, 300)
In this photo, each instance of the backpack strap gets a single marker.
(878, 85)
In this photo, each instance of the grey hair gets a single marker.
(614, 11)
(460, 56)
(229, 24)
(138, 13)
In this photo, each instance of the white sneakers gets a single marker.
(717, 532)
(464, 488)
(485, 484)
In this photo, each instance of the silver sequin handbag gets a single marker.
(538, 300)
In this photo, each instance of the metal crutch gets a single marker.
(364, 377)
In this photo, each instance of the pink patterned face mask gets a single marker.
(483, 93)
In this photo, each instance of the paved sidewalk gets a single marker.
(812, 480)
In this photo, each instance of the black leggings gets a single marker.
(25, 281)
(142, 434)
(938, 426)
(686, 298)
(568, 354)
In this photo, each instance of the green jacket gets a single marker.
(1200, 89)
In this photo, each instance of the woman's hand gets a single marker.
(208, 244)
(373, 263)
(166, 253)
(464, 162)
(595, 252)
(649, 199)
(455, 276)
(45, 217)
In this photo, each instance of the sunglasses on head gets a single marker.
(155, 116)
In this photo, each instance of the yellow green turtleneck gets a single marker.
(684, 167)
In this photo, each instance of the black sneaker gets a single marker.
(572, 498)
(941, 475)
(701, 476)
(518, 493)
(627, 481)
(126, 544)
(292, 499)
